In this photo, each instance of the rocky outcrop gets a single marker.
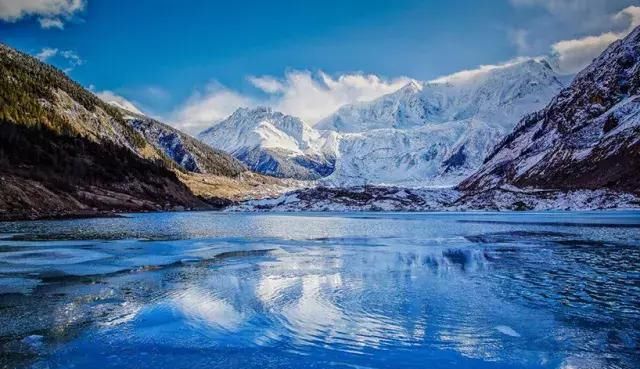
(376, 198)
(588, 137)
(186, 151)
(362, 198)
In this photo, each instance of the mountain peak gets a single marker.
(256, 115)
(412, 87)
(273, 143)
(436, 133)
(258, 110)
(580, 139)
(502, 94)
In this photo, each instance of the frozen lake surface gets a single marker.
(355, 290)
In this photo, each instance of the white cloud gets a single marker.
(46, 53)
(47, 23)
(470, 74)
(313, 97)
(573, 55)
(156, 93)
(111, 98)
(559, 6)
(303, 94)
(49, 12)
(520, 38)
(543, 23)
(205, 108)
(71, 58)
(267, 84)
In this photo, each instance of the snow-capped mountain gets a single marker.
(273, 143)
(436, 133)
(425, 134)
(587, 137)
(432, 155)
(496, 94)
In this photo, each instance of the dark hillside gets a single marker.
(64, 151)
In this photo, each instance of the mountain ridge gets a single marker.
(189, 153)
(436, 133)
(398, 139)
(64, 152)
(586, 137)
(273, 143)
(448, 99)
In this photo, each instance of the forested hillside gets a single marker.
(64, 151)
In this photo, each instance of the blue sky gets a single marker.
(167, 56)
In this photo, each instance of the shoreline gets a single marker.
(75, 216)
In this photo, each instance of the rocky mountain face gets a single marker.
(63, 151)
(389, 198)
(190, 154)
(361, 198)
(436, 133)
(273, 143)
(588, 137)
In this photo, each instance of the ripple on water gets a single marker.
(414, 290)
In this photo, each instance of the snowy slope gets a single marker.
(120, 103)
(273, 143)
(437, 133)
(588, 137)
(189, 153)
(432, 155)
(499, 94)
(375, 198)
(425, 134)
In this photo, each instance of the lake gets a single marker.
(330, 290)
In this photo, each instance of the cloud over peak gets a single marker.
(206, 107)
(575, 54)
(304, 94)
(471, 74)
(313, 96)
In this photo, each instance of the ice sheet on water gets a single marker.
(51, 256)
(365, 289)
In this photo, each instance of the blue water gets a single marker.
(361, 290)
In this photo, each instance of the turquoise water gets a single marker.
(361, 290)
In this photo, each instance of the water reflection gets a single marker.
(409, 290)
